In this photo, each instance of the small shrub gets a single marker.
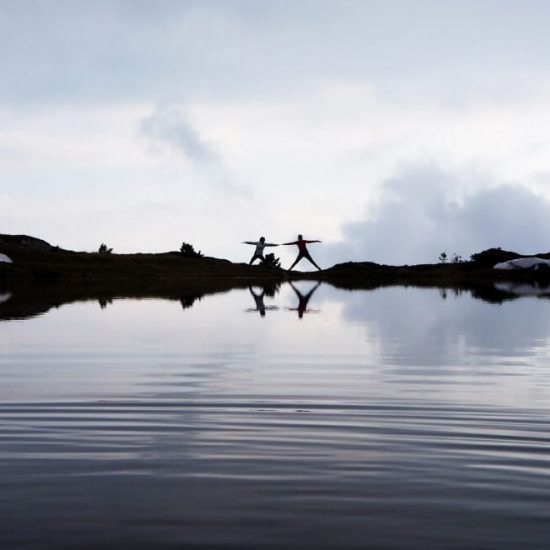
(271, 261)
(189, 251)
(457, 259)
(443, 257)
(103, 249)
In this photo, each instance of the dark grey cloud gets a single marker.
(170, 127)
(422, 214)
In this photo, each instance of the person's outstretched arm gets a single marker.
(250, 242)
(271, 244)
(293, 242)
(315, 241)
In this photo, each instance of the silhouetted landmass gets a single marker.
(36, 261)
(492, 256)
(43, 276)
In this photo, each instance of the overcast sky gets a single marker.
(390, 130)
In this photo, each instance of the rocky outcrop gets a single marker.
(24, 241)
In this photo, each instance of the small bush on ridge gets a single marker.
(189, 251)
(103, 249)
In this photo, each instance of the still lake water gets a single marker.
(395, 418)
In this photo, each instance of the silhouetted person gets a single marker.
(303, 251)
(259, 252)
(259, 299)
(303, 299)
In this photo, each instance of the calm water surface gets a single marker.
(395, 418)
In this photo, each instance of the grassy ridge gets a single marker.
(37, 261)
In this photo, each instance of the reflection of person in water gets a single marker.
(303, 252)
(259, 252)
(259, 299)
(303, 299)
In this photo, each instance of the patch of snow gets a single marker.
(5, 259)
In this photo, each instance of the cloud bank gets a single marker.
(425, 211)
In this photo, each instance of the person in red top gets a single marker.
(303, 251)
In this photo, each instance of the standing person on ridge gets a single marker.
(303, 252)
(259, 252)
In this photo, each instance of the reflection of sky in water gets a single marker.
(466, 348)
(384, 416)
(389, 343)
(425, 327)
(457, 348)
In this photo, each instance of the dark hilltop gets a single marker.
(41, 276)
(37, 261)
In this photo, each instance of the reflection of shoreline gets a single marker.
(484, 291)
(33, 300)
(28, 301)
